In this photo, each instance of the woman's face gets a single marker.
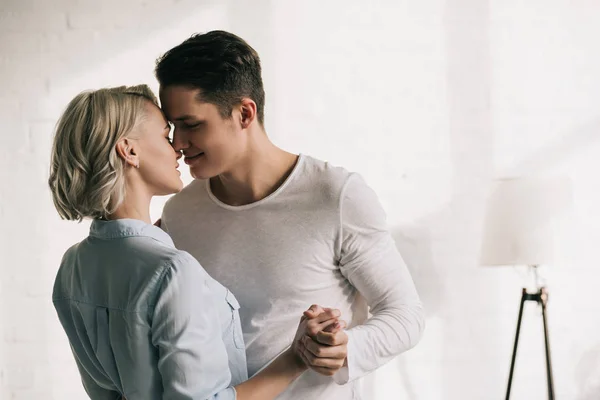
(157, 158)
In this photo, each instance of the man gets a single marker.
(280, 230)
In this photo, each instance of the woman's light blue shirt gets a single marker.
(145, 320)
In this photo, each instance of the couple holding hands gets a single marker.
(211, 301)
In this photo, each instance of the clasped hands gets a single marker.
(320, 341)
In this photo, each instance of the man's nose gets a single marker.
(180, 141)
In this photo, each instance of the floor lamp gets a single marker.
(518, 232)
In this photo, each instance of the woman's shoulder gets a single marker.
(185, 265)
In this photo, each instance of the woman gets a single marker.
(144, 320)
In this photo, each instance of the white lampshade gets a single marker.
(518, 222)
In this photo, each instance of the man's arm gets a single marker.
(369, 259)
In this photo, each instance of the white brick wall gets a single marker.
(428, 100)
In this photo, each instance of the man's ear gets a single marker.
(127, 150)
(248, 112)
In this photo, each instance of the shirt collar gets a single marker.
(121, 228)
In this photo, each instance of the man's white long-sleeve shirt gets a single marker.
(320, 238)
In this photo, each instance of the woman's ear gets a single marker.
(127, 150)
(247, 112)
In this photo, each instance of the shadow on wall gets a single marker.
(568, 145)
(50, 45)
(80, 38)
(415, 245)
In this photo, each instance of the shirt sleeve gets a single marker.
(193, 360)
(369, 259)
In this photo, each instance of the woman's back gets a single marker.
(125, 296)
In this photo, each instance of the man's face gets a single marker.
(210, 144)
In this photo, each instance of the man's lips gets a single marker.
(191, 159)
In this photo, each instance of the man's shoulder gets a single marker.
(324, 174)
(190, 193)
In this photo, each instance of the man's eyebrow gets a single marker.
(183, 117)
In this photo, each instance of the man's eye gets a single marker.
(191, 126)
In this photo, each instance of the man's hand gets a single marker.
(323, 347)
(325, 319)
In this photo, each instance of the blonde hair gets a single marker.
(86, 173)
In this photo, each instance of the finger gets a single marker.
(333, 328)
(332, 339)
(324, 351)
(300, 354)
(327, 314)
(322, 314)
(313, 311)
(313, 326)
(323, 309)
(332, 325)
(320, 370)
(313, 361)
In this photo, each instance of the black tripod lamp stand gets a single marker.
(540, 296)
(518, 231)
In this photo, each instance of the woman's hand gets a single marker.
(320, 340)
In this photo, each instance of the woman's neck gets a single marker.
(135, 206)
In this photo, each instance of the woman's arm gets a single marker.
(192, 358)
(193, 361)
(275, 378)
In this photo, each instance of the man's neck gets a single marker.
(264, 169)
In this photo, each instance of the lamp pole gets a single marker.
(540, 297)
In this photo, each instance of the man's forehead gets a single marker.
(182, 110)
(176, 92)
(174, 103)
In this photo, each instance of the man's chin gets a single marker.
(203, 173)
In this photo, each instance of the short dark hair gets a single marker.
(222, 65)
